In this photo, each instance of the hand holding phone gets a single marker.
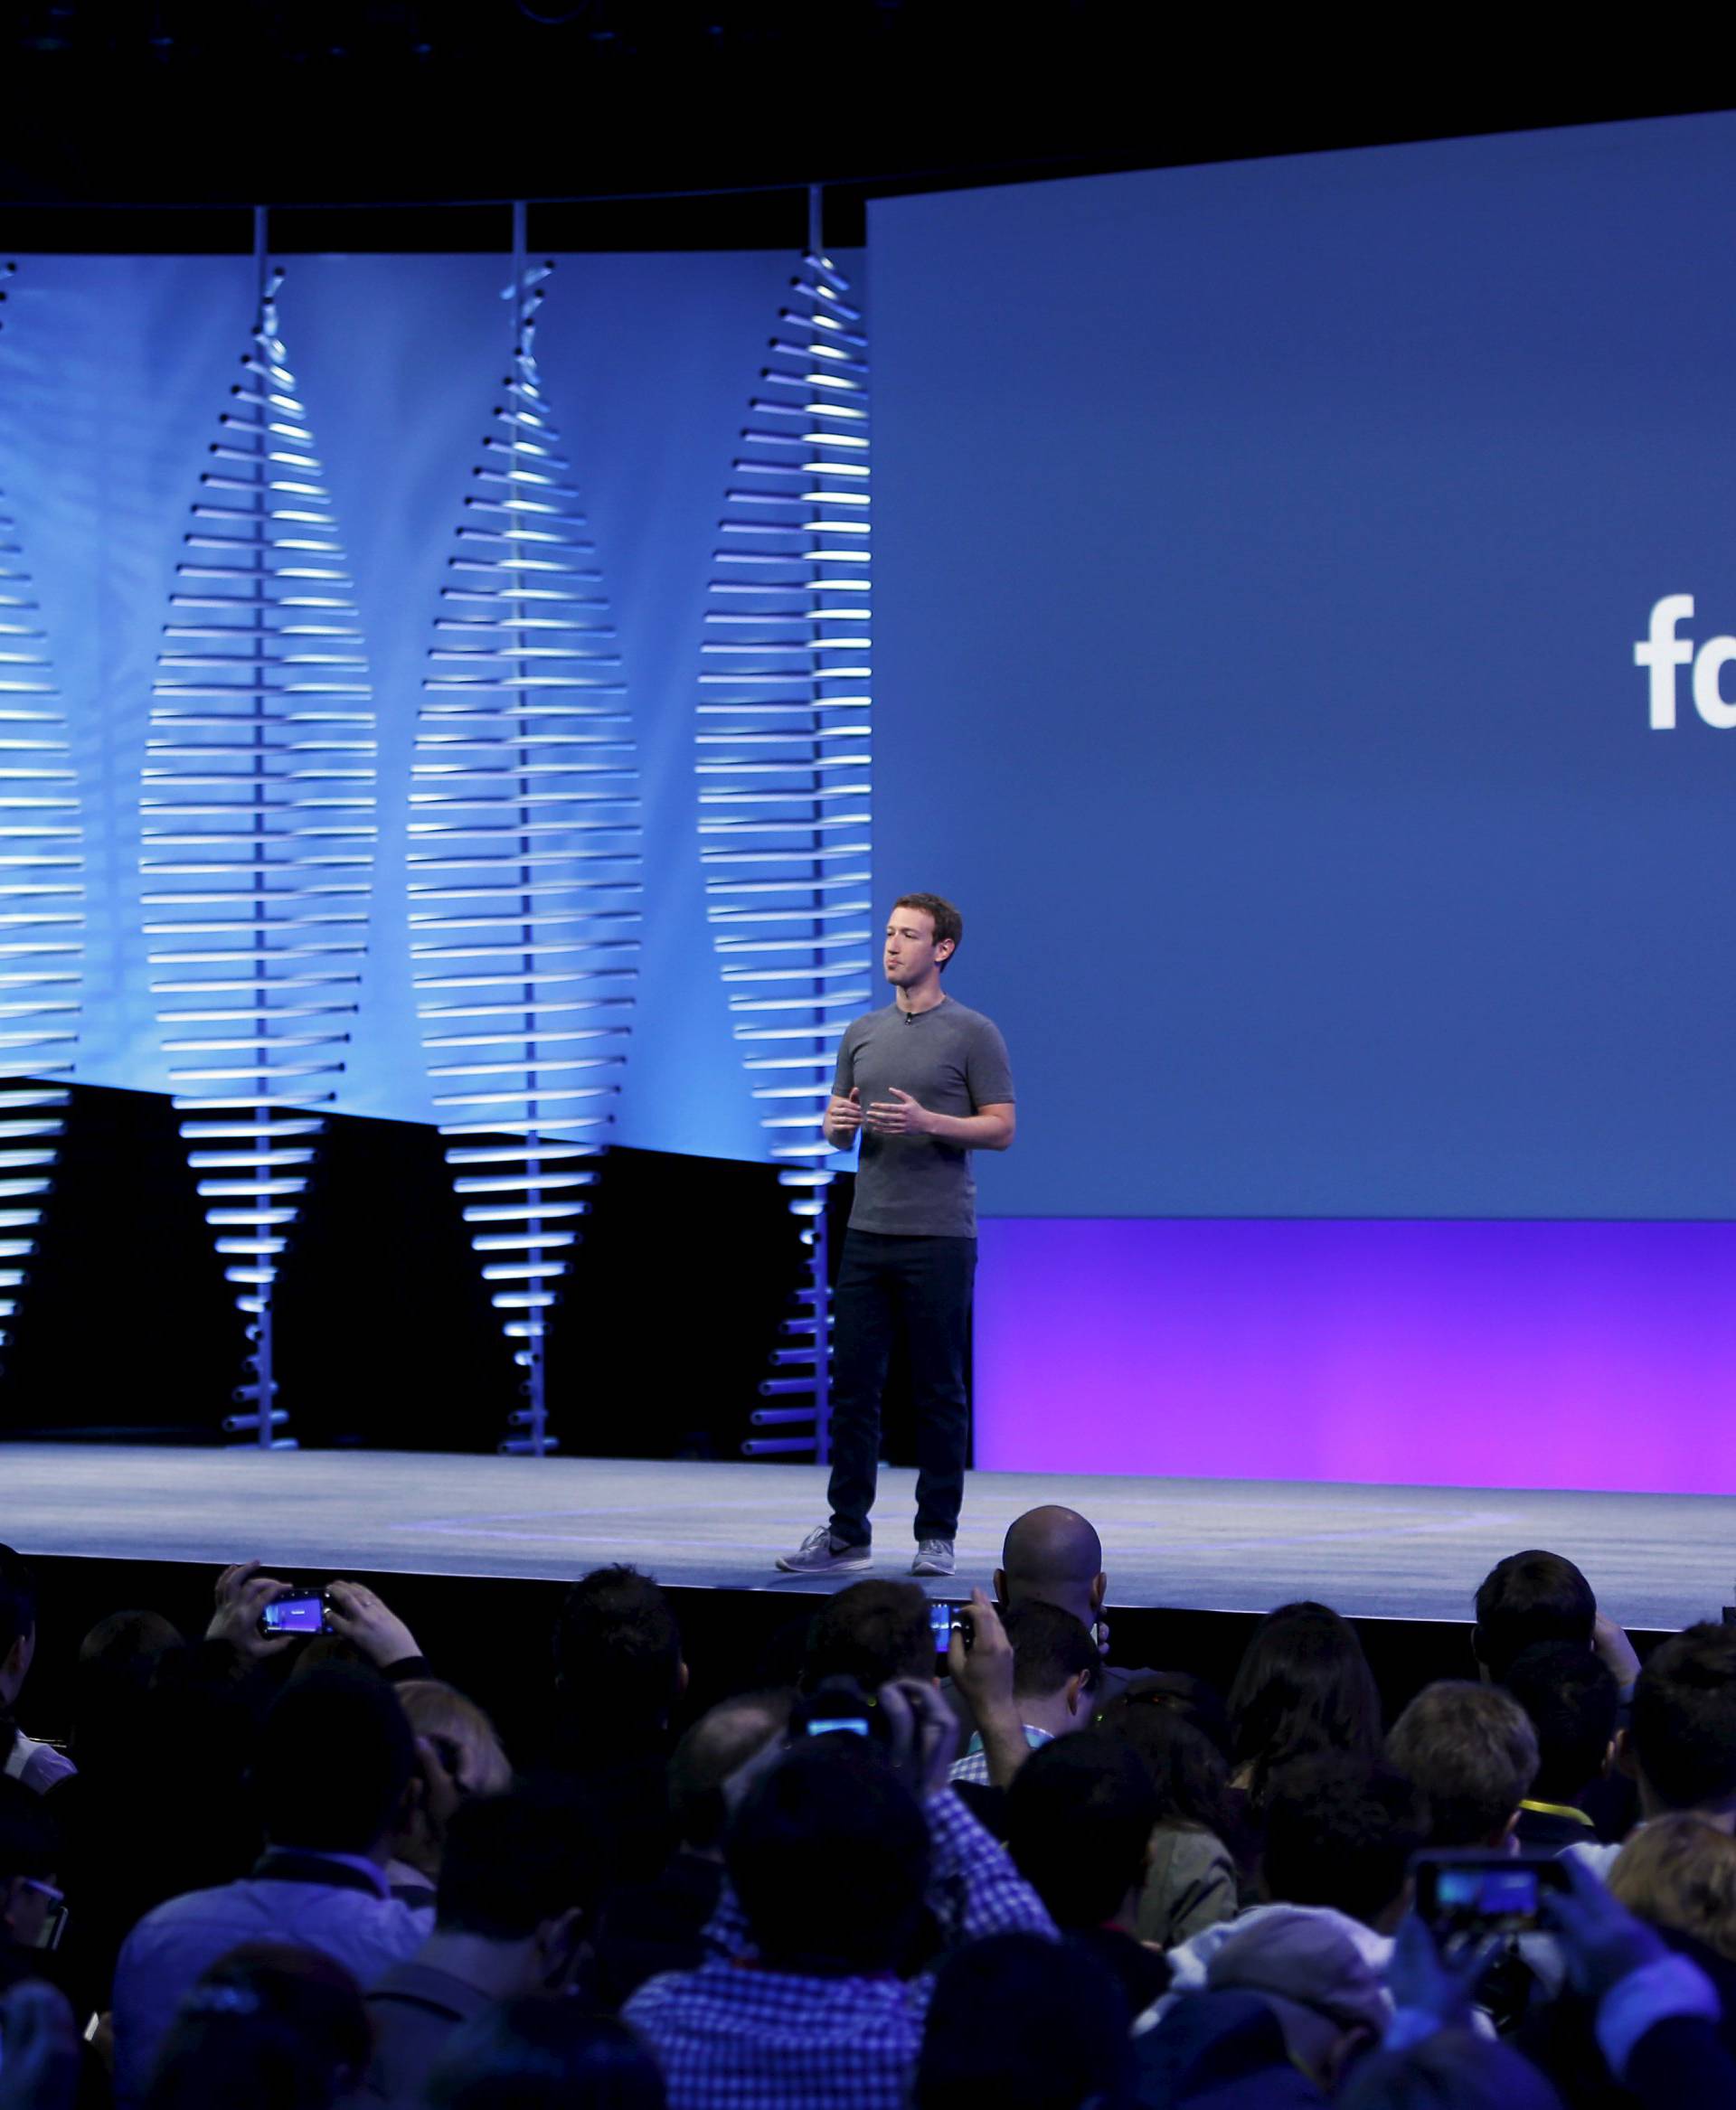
(946, 1618)
(1470, 1896)
(297, 1614)
(241, 1596)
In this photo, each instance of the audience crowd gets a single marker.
(284, 1873)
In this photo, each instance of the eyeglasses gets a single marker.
(55, 1909)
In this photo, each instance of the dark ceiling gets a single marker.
(684, 125)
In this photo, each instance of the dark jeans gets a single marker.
(921, 1288)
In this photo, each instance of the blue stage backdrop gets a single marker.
(113, 372)
(1263, 551)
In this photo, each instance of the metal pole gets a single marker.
(263, 1359)
(535, 1365)
(821, 1306)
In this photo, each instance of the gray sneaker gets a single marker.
(821, 1554)
(933, 1556)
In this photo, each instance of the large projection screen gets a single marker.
(1262, 551)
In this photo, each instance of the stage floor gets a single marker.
(1655, 1561)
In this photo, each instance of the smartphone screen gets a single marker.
(295, 1615)
(1484, 1894)
(944, 1618)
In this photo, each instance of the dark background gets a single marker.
(385, 1339)
(647, 109)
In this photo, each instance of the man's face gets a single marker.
(26, 1906)
(15, 1668)
(911, 948)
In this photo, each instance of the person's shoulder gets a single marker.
(230, 1908)
(670, 1990)
(963, 1019)
(863, 1028)
(869, 1022)
(1597, 1855)
(192, 1905)
(45, 1766)
(427, 1986)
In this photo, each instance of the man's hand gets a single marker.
(898, 1116)
(924, 1735)
(1603, 1940)
(843, 1120)
(39, 2045)
(243, 1594)
(369, 1624)
(1612, 1646)
(983, 1672)
(441, 1792)
(1420, 1979)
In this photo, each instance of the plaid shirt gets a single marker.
(973, 1767)
(733, 2037)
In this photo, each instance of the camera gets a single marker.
(304, 1614)
(838, 1707)
(1466, 1897)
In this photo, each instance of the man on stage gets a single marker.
(924, 1082)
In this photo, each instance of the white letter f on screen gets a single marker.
(1663, 652)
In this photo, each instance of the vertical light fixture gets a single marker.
(258, 820)
(42, 915)
(783, 739)
(524, 861)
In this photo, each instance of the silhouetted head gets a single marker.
(1303, 1686)
(1472, 1751)
(1526, 1598)
(1055, 1555)
(872, 1632)
(830, 1817)
(1020, 2023)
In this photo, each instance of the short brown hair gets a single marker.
(1472, 1752)
(443, 1715)
(948, 922)
(872, 1631)
(1049, 1647)
(1679, 1871)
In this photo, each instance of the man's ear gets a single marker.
(560, 1947)
(17, 1661)
(1100, 1589)
(944, 951)
(413, 1802)
(682, 1675)
(1000, 1587)
(1627, 1764)
(1078, 1699)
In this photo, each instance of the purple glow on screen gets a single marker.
(1583, 1355)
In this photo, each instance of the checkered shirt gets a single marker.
(973, 1766)
(731, 2036)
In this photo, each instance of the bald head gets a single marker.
(1052, 1554)
(720, 1743)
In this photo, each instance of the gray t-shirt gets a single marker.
(951, 1060)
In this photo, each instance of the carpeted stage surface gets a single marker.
(1657, 1561)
